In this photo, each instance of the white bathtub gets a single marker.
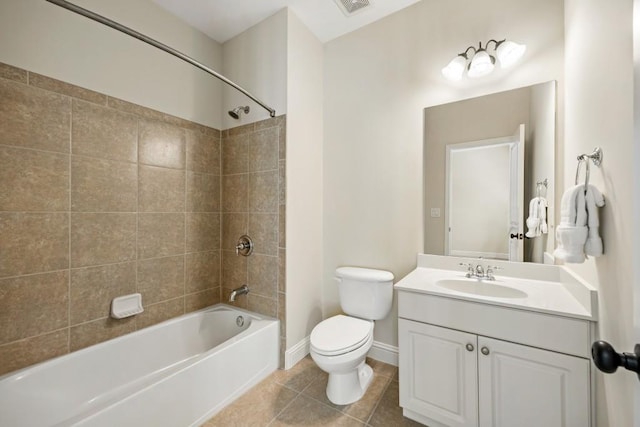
(177, 373)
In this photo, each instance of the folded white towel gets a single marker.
(571, 240)
(533, 221)
(571, 233)
(577, 235)
(594, 200)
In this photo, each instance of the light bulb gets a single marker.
(481, 64)
(453, 71)
(509, 52)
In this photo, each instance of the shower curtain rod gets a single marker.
(116, 26)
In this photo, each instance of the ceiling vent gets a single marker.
(350, 7)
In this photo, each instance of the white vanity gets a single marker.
(514, 351)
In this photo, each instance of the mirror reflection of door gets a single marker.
(484, 198)
(490, 116)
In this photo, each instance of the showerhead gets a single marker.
(235, 113)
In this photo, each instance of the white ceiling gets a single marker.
(223, 19)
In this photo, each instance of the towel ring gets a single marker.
(586, 176)
(595, 157)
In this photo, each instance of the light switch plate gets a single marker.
(435, 212)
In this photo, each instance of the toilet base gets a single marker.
(348, 387)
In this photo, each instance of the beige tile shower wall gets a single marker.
(253, 203)
(101, 198)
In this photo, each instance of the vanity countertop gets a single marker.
(549, 289)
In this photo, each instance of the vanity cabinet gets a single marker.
(464, 364)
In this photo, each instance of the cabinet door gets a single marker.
(528, 387)
(438, 373)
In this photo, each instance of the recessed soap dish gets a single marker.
(126, 306)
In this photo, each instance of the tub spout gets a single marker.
(244, 289)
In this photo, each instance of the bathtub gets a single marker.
(176, 373)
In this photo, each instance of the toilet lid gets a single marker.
(340, 334)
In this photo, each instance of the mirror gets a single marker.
(478, 185)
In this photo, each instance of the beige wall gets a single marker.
(49, 40)
(599, 112)
(304, 181)
(378, 80)
(256, 59)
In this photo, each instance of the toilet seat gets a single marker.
(340, 334)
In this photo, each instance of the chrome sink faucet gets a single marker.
(244, 289)
(479, 272)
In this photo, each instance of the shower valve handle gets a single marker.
(244, 246)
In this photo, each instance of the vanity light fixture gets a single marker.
(482, 61)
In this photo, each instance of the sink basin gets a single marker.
(485, 289)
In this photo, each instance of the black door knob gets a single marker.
(607, 359)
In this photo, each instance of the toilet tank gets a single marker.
(364, 292)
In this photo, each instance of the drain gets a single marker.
(240, 321)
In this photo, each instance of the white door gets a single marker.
(528, 387)
(516, 196)
(484, 198)
(438, 373)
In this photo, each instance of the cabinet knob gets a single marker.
(469, 347)
(607, 359)
(485, 351)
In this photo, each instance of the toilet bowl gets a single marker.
(339, 344)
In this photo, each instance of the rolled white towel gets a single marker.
(533, 221)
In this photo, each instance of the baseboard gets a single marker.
(296, 353)
(384, 353)
(379, 351)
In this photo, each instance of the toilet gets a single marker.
(339, 344)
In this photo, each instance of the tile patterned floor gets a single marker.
(297, 398)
